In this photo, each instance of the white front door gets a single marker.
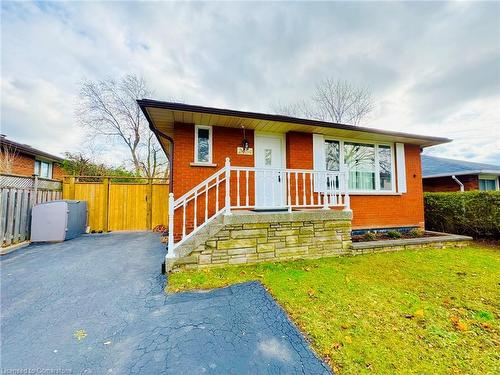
(269, 178)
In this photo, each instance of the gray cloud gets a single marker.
(432, 67)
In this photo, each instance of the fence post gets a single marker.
(35, 188)
(170, 246)
(105, 183)
(228, 187)
(149, 199)
(71, 188)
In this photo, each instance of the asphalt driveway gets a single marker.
(95, 305)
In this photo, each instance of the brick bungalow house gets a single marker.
(26, 160)
(251, 186)
(440, 174)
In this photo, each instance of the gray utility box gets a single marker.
(57, 221)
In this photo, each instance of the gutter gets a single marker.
(159, 134)
(143, 103)
(459, 183)
(475, 171)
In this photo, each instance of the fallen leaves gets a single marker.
(80, 334)
(419, 314)
(336, 346)
(311, 293)
(459, 324)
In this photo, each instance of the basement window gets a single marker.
(203, 144)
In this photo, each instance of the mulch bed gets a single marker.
(384, 237)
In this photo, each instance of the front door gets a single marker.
(269, 177)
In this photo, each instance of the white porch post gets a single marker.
(170, 247)
(324, 183)
(347, 199)
(228, 187)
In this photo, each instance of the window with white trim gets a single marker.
(385, 167)
(488, 183)
(203, 144)
(370, 165)
(43, 169)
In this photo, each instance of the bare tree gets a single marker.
(333, 100)
(153, 164)
(7, 156)
(109, 110)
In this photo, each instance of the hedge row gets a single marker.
(473, 213)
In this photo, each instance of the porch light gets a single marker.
(244, 142)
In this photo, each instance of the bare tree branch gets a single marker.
(7, 156)
(333, 100)
(109, 110)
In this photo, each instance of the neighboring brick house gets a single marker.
(440, 174)
(24, 160)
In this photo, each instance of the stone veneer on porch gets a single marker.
(251, 237)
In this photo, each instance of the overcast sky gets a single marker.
(433, 68)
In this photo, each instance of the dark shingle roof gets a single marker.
(27, 149)
(434, 167)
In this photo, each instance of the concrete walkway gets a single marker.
(95, 305)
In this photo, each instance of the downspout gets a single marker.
(458, 182)
(170, 156)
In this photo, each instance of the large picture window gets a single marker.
(360, 161)
(203, 144)
(370, 165)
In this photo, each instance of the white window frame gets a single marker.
(377, 190)
(489, 178)
(50, 168)
(210, 144)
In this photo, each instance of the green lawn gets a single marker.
(426, 311)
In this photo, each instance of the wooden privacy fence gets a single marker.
(18, 194)
(120, 203)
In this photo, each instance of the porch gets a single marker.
(259, 198)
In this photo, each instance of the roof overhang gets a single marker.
(463, 173)
(163, 115)
(28, 150)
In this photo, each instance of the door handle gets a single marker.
(279, 177)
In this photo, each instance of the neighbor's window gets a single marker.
(360, 160)
(487, 183)
(385, 167)
(43, 169)
(203, 144)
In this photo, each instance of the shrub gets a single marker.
(473, 213)
(394, 234)
(369, 236)
(416, 232)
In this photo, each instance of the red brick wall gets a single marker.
(185, 177)
(369, 211)
(23, 165)
(299, 150)
(57, 172)
(471, 182)
(225, 141)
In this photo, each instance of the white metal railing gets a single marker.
(250, 188)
